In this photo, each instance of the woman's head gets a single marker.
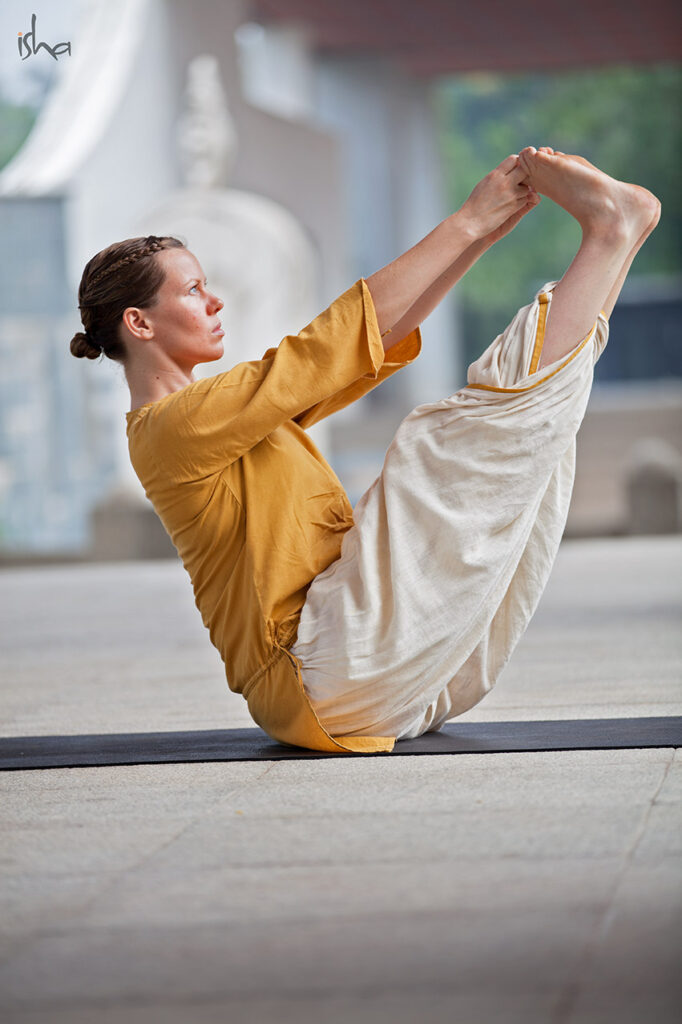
(124, 274)
(147, 290)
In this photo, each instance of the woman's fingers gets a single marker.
(508, 164)
(517, 175)
(516, 172)
(517, 178)
(513, 219)
(500, 195)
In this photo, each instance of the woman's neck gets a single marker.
(151, 385)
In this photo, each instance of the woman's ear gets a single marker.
(137, 324)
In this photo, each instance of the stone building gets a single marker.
(322, 160)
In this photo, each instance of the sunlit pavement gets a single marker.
(476, 888)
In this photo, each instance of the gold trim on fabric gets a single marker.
(543, 299)
(520, 391)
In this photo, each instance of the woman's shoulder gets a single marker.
(189, 397)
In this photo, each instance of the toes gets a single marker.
(526, 154)
(543, 159)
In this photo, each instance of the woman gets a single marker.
(346, 629)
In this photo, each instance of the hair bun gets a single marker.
(83, 347)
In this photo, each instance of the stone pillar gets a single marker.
(394, 196)
(48, 470)
(124, 527)
(654, 488)
(106, 142)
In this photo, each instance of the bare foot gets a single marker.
(656, 212)
(621, 212)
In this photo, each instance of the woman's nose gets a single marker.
(216, 302)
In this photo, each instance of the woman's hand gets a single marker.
(511, 222)
(406, 290)
(499, 201)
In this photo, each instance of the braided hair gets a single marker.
(122, 275)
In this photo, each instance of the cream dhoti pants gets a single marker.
(453, 543)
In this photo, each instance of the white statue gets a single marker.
(207, 141)
(256, 255)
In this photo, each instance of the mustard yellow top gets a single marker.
(253, 509)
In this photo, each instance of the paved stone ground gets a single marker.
(478, 888)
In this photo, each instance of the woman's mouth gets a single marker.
(218, 330)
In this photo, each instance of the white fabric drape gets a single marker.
(452, 544)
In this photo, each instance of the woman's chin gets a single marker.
(217, 352)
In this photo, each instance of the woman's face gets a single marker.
(184, 320)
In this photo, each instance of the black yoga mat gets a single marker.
(22, 752)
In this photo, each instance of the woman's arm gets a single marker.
(428, 301)
(406, 290)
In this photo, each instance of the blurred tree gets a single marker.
(625, 120)
(20, 103)
(16, 122)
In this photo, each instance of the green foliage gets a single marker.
(15, 124)
(625, 120)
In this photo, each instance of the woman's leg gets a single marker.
(615, 291)
(454, 542)
(615, 218)
(451, 546)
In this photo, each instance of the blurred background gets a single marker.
(295, 146)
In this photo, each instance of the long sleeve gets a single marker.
(398, 356)
(335, 359)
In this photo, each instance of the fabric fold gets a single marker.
(452, 544)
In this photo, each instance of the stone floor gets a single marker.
(535, 887)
